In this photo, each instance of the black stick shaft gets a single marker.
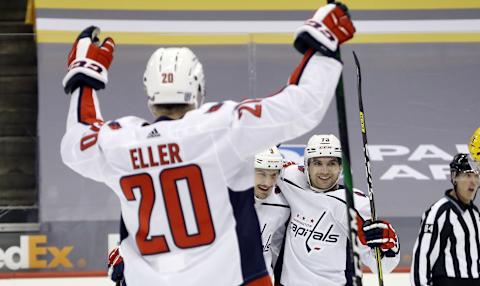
(378, 256)
(347, 179)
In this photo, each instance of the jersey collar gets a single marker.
(163, 118)
(457, 202)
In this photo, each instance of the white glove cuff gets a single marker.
(87, 67)
(320, 33)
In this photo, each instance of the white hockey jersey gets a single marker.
(181, 183)
(317, 234)
(273, 213)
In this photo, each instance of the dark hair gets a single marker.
(174, 108)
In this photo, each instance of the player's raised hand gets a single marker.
(88, 61)
(381, 234)
(326, 30)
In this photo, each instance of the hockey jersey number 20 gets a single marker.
(181, 183)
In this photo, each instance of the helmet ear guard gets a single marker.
(174, 76)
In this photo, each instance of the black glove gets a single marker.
(380, 234)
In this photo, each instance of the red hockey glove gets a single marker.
(115, 266)
(326, 30)
(379, 233)
(88, 61)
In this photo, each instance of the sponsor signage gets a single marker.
(34, 252)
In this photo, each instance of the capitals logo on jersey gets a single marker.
(313, 231)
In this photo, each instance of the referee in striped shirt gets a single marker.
(447, 250)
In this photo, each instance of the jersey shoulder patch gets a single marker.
(358, 194)
(119, 131)
(214, 107)
(209, 117)
(114, 125)
(211, 108)
(294, 177)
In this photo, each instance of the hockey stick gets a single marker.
(347, 177)
(378, 256)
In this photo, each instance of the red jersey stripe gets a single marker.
(86, 106)
(262, 281)
(297, 73)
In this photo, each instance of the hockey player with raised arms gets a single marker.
(184, 181)
(316, 239)
(272, 209)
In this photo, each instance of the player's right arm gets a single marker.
(88, 62)
(301, 105)
(427, 246)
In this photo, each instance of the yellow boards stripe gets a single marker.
(68, 37)
(210, 5)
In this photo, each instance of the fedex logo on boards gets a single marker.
(407, 160)
(32, 253)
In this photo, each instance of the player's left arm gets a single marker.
(377, 233)
(88, 63)
(302, 104)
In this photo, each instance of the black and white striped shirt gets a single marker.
(448, 243)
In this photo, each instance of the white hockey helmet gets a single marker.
(325, 145)
(270, 159)
(174, 76)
